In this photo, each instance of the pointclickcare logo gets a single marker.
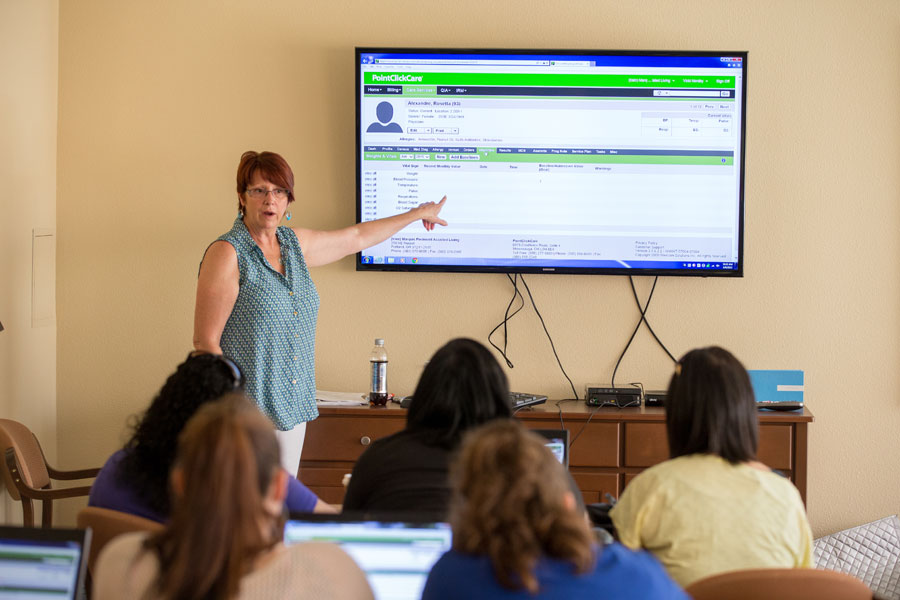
(393, 77)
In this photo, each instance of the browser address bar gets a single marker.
(461, 61)
(694, 93)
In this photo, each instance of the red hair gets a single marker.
(268, 165)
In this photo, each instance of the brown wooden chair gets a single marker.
(106, 524)
(779, 584)
(28, 476)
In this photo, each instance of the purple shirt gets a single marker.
(109, 492)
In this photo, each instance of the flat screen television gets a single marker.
(554, 161)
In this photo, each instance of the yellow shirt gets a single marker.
(700, 515)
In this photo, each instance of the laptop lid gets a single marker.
(396, 556)
(42, 563)
(557, 440)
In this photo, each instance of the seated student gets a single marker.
(517, 532)
(462, 386)
(135, 478)
(713, 507)
(224, 537)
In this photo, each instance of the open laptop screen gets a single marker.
(557, 440)
(41, 563)
(395, 555)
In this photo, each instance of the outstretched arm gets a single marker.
(323, 247)
(217, 291)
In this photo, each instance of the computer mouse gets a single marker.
(406, 401)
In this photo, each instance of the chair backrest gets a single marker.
(779, 584)
(106, 524)
(28, 451)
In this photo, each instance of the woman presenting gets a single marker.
(256, 302)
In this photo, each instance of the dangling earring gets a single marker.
(288, 216)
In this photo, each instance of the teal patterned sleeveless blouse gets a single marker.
(271, 333)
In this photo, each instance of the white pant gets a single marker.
(291, 443)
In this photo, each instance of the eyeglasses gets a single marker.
(237, 377)
(278, 193)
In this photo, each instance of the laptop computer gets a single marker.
(557, 442)
(777, 389)
(396, 556)
(42, 563)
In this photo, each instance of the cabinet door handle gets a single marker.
(365, 440)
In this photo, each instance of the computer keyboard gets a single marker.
(519, 400)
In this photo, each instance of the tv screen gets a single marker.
(554, 161)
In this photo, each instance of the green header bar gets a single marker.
(490, 155)
(16, 591)
(381, 539)
(549, 79)
(37, 557)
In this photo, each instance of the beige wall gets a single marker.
(158, 100)
(28, 98)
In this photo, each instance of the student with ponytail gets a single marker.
(224, 537)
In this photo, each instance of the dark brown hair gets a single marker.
(461, 387)
(228, 456)
(150, 452)
(710, 407)
(509, 503)
(270, 166)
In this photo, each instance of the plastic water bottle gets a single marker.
(378, 394)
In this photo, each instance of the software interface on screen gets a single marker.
(396, 557)
(558, 448)
(36, 570)
(597, 161)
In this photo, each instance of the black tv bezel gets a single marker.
(424, 268)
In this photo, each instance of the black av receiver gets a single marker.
(621, 397)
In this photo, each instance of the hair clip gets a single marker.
(237, 376)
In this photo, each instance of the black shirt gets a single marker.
(405, 473)
(401, 473)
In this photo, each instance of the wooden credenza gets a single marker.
(610, 446)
